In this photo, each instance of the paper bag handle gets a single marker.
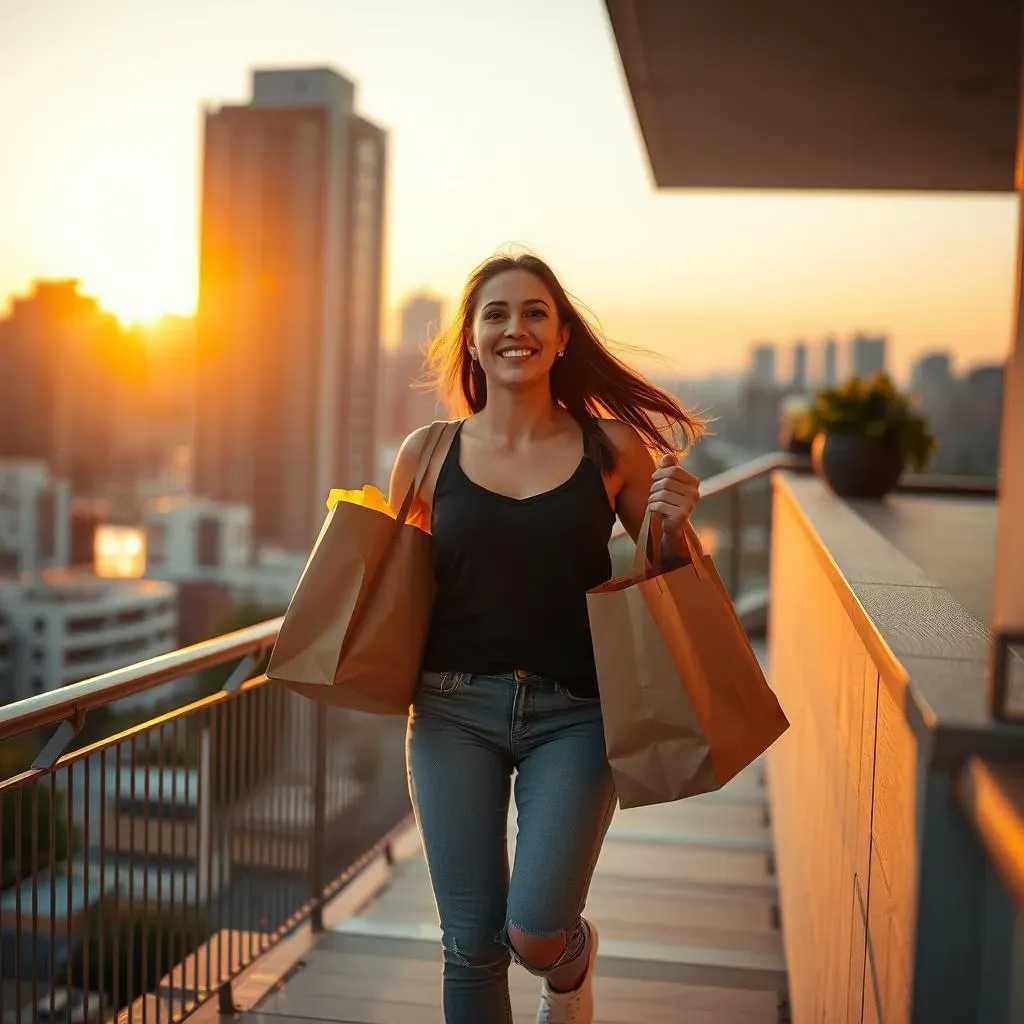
(435, 433)
(651, 528)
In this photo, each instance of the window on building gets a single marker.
(39, 625)
(46, 524)
(86, 624)
(208, 542)
(37, 685)
(131, 617)
(156, 542)
(83, 654)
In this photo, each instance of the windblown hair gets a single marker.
(589, 382)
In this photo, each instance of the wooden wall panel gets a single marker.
(895, 856)
(822, 778)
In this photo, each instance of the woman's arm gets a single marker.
(667, 488)
(404, 469)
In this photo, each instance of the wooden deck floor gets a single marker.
(684, 896)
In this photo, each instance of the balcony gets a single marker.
(251, 852)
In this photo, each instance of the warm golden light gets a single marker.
(120, 552)
(136, 298)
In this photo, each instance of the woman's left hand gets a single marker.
(675, 494)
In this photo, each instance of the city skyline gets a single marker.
(109, 150)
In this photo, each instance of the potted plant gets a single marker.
(863, 435)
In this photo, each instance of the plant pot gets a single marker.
(854, 466)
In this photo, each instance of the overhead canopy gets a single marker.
(825, 94)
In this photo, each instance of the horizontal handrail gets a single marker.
(737, 476)
(910, 483)
(746, 472)
(72, 701)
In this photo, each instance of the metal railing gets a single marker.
(730, 520)
(145, 871)
(728, 507)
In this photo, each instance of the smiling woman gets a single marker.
(521, 506)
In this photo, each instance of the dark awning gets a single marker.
(825, 94)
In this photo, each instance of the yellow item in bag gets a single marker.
(367, 495)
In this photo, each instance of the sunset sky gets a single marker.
(508, 123)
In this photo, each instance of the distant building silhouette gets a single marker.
(762, 364)
(830, 364)
(407, 404)
(288, 326)
(34, 518)
(420, 321)
(58, 355)
(798, 381)
(964, 412)
(867, 356)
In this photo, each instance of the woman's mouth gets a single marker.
(517, 354)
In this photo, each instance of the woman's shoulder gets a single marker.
(623, 437)
(406, 461)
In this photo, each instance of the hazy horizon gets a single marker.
(503, 129)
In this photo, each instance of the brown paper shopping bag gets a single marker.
(354, 631)
(685, 703)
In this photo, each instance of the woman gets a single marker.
(522, 510)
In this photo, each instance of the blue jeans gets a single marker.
(466, 735)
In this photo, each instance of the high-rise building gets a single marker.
(932, 374)
(60, 359)
(867, 356)
(407, 403)
(34, 518)
(830, 364)
(799, 378)
(289, 317)
(981, 419)
(762, 364)
(420, 320)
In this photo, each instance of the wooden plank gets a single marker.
(694, 906)
(651, 862)
(703, 840)
(372, 1000)
(727, 968)
(373, 996)
(697, 816)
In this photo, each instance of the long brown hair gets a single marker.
(589, 382)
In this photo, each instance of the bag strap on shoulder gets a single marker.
(437, 442)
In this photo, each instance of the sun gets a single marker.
(123, 223)
(137, 295)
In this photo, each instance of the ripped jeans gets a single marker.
(466, 735)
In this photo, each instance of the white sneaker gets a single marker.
(576, 1007)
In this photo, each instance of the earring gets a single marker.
(472, 354)
(561, 353)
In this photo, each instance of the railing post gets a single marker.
(735, 541)
(318, 844)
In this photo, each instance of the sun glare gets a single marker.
(135, 297)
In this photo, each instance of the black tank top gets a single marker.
(513, 575)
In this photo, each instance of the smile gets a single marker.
(516, 354)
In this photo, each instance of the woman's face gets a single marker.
(516, 333)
